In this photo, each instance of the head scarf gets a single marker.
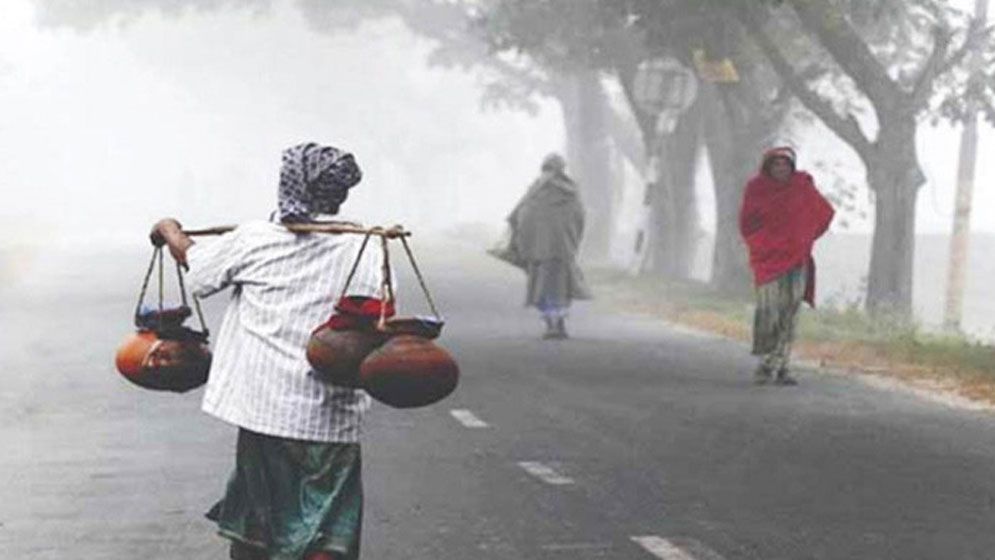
(785, 152)
(314, 179)
(554, 162)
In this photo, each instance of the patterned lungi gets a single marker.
(288, 497)
(776, 318)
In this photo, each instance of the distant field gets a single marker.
(843, 259)
(840, 254)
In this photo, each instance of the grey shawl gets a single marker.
(546, 227)
(548, 223)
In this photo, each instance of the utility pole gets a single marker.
(959, 242)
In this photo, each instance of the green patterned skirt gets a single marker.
(776, 315)
(290, 497)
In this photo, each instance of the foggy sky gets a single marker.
(113, 128)
(184, 112)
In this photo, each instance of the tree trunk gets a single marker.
(674, 214)
(895, 177)
(585, 112)
(732, 153)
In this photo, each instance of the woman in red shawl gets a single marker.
(782, 216)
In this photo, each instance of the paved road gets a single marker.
(633, 440)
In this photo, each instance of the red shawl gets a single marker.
(780, 223)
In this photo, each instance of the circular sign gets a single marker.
(664, 87)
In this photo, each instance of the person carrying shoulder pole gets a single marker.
(296, 491)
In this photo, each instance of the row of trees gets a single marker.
(870, 70)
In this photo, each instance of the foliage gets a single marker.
(904, 34)
(841, 192)
(556, 34)
(922, 46)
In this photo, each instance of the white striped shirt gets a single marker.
(285, 285)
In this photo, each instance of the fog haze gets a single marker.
(114, 116)
(186, 115)
(113, 121)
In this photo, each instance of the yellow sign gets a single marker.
(715, 71)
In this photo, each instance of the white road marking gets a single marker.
(555, 547)
(467, 418)
(662, 548)
(545, 473)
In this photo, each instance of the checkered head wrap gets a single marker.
(314, 179)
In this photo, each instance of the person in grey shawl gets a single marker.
(546, 230)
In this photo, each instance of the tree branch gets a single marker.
(939, 63)
(846, 127)
(933, 66)
(849, 50)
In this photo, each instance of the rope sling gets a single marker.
(157, 259)
(393, 359)
(387, 296)
(164, 355)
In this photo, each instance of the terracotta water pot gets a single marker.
(163, 364)
(409, 371)
(131, 354)
(336, 355)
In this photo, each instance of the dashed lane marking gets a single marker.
(468, 419)
(662, 548)
(545, 473)
(572, 547)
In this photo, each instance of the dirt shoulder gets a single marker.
(946, 367)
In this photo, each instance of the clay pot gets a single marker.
(336, 355)
(161, 364)
(409, 371)
(424, 327)
(131, 354)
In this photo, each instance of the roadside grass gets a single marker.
(838, 335)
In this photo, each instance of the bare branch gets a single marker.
(940, 63)
(846, 127)
(848, 49)
(931, 68)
